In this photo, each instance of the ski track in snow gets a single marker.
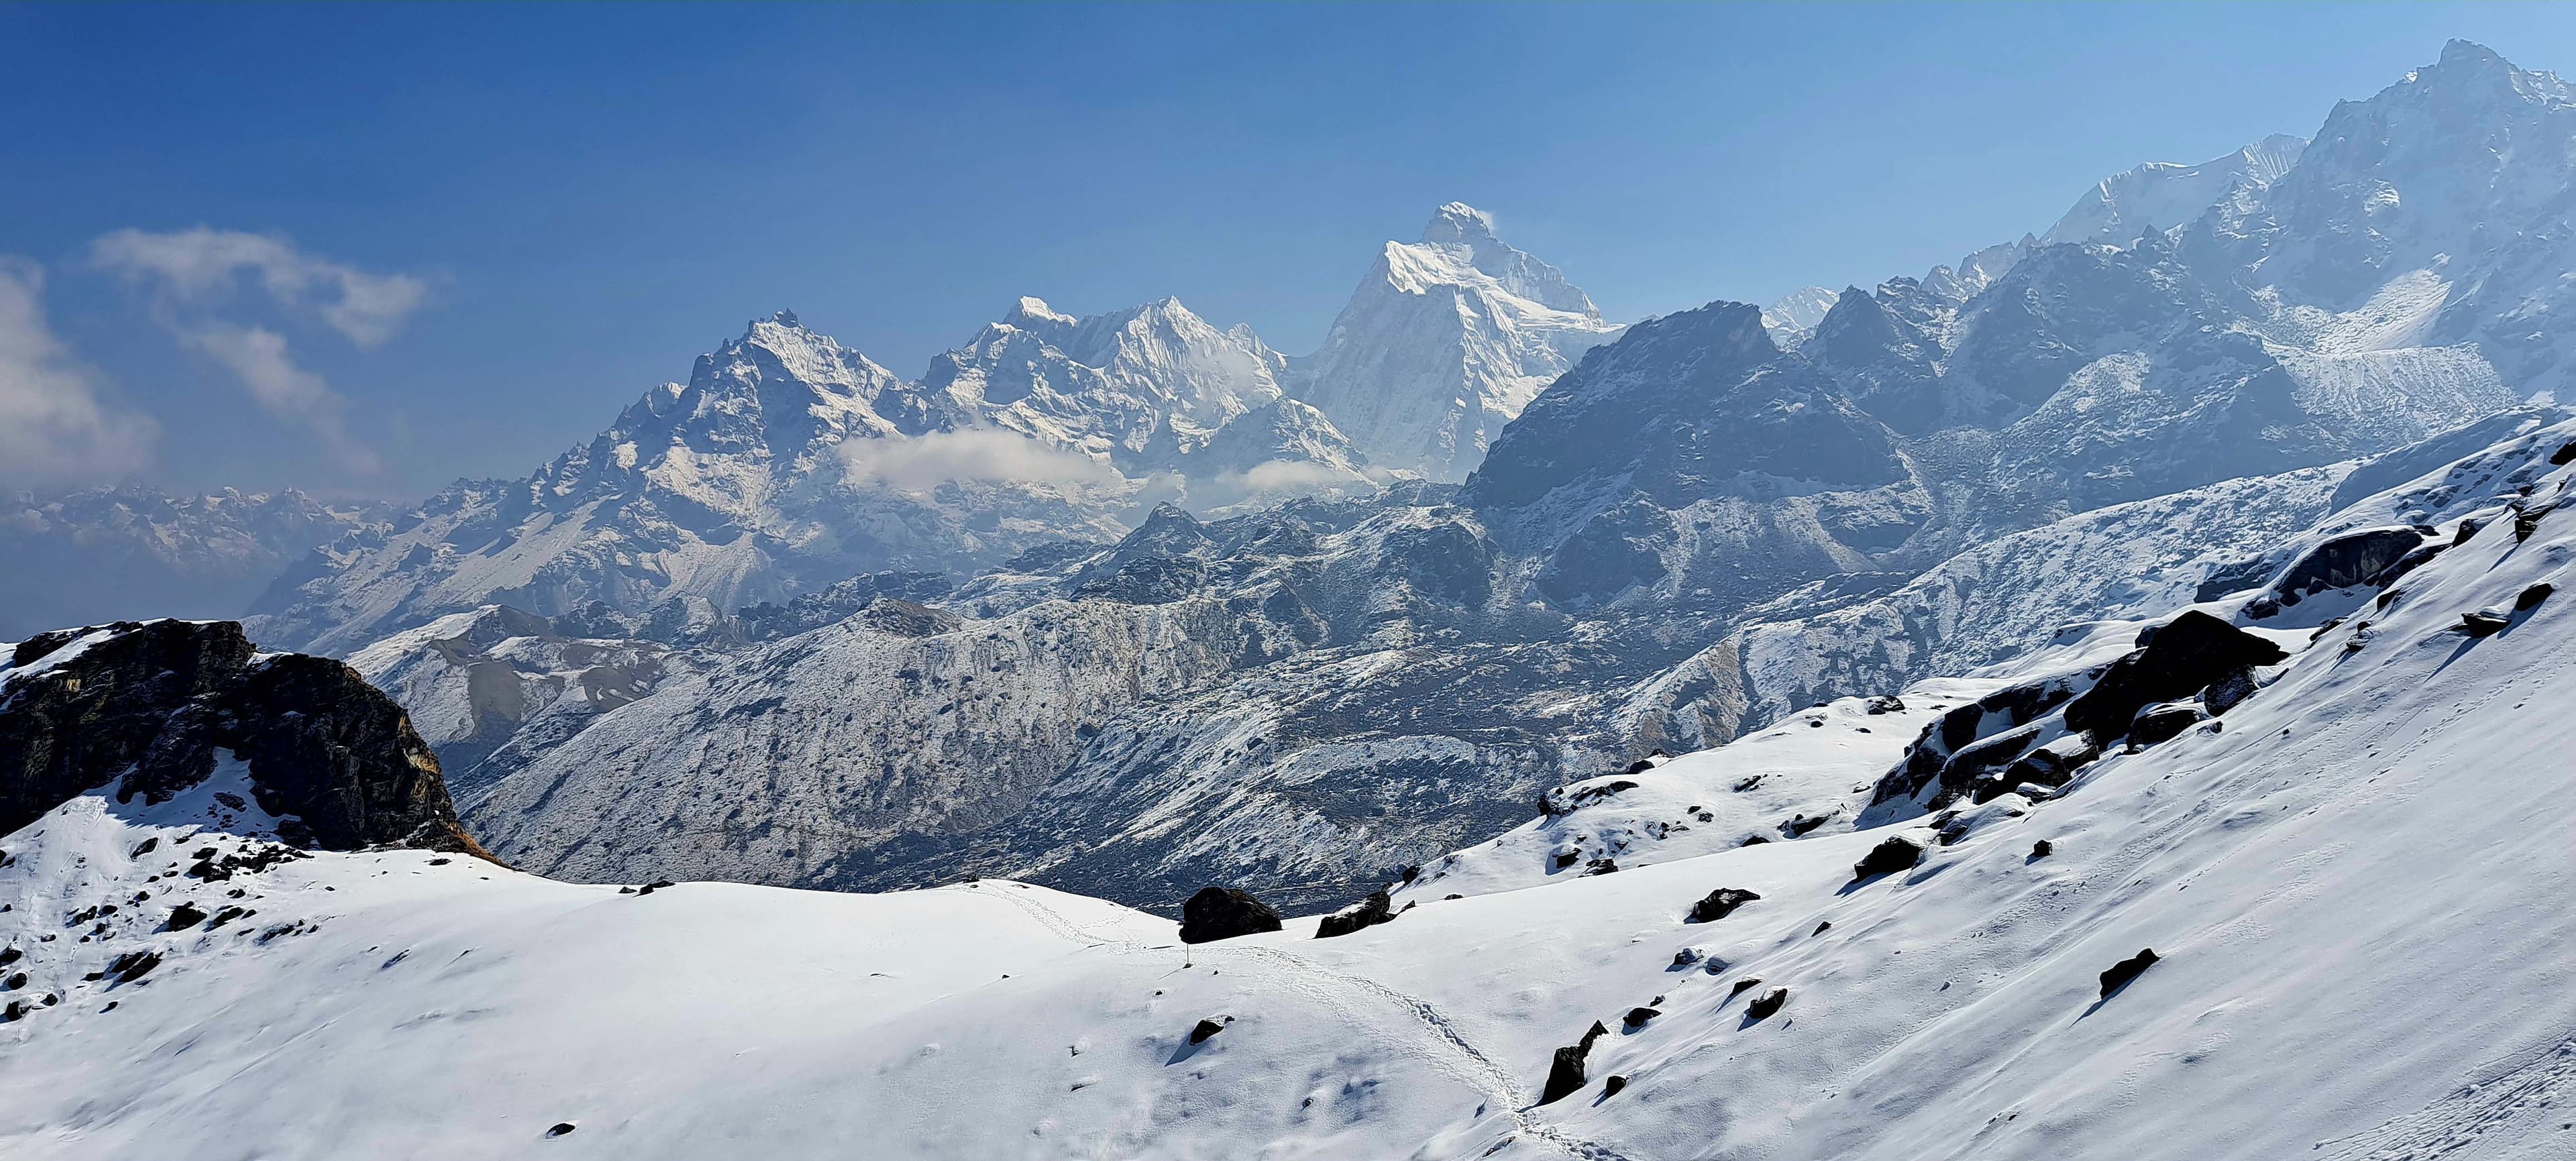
(1463, 1061)
(2530, 1082)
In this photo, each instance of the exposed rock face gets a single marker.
(1223, 913)
(153, 702)
(2352, 559)
(2184, 657)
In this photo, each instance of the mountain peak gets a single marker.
(1459, 224)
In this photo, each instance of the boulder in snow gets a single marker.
(1565, 1073)
(1223, 913)
(1765, 1006)
(1370, 912)
(1719, 904)
(2118, 975)
(1893, 853)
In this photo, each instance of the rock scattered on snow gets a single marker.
(560, 1128)
(1610, 1086)
(2042, 849)
(1565, 1074)
(1200, 1032)
(1375, 909)
(2118, 975)
(2530, 598)
(1892, 854)
(185, 916)
(1224, 912)
(1764, 1007)
(2481, 623)
(1719, 904)
(1638, 1016)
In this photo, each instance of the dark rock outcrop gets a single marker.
(1375, 909)
(1200, 1032)
(2118, 975)
(152, 702)
(1223, 913)
(1719, 904)
(2185, 657)
(2042, 849)
(2352, 559)
(1638, 1016)
(1765, 1006)
(2165, 722)
(1565, 1073)
(2480, 623)
(1610, 1086)
(1893, 853)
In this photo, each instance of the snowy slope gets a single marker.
(1444, 342)
(2355, 890)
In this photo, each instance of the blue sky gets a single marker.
(489, 228)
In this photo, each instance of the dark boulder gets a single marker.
(1223, 913)
(560, 1128)
(2186, 656)
(1892, 854)
(2161, 723)
(1719, 904)
(1610, 1086)
(2530, 598)
(185, 916)
(2118, 975)
(1200, 1032)
(1565, 1073)
(1601, 866)
(1638, 1016)
(2483, 624)
(2566, 454)
(1764, 1007)
(2228, 692)
(1742, 986)
(1370, 912)
(2042, 849)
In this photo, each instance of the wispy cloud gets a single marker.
(53, 427)
(257, 356)
(194, 274)
(923, 462)
(201, 265)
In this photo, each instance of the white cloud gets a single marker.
(192, 273)
(1291, 476)
(257, 356)
(53, 428)
(923, 462)
(199, 265)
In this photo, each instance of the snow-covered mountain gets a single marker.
(2281, 839)
(100, 553)
(1444, 342)
(2164, 194)
(788, 462)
